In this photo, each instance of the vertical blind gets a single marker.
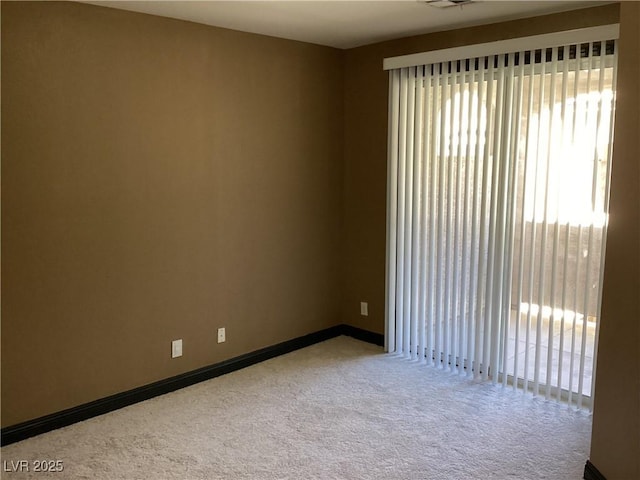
(498, 178)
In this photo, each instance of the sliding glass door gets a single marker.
(498, 196)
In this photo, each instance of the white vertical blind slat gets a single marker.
(536, 368)
(402, 154)
(514, 152)
(445, 195)
(505, 223)
(435, 127)
(407, 317)
(566, 286)
(417, 216)
(497, 227)
(421, 127)
(392, 205)
(485, 215)
(457, 272)
(441, 235)
(466, 303)
(523, 232)
(548, 165)
(449, 322)
(408, 260)
(555, 254)
(476, 311)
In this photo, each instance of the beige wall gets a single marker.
(160, 179)
(615, 443)
(366, 86)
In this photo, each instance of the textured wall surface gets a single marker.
(615, 441)
(160, 179)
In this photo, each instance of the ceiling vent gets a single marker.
(447, 3)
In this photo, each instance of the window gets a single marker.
(498, 195)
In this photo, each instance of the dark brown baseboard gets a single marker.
(31, 428)
(364, 335)
(592, 473)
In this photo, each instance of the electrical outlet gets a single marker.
(222, 337)
(176, 348)
(364, 309)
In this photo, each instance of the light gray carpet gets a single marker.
(340, 409)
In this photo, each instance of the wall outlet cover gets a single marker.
(176, 348)
(222, 336)
(364, 309)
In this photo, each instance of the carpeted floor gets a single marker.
(340, 409)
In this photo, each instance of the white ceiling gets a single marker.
(344, 24)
